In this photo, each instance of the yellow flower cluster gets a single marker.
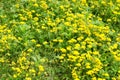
(80, 37)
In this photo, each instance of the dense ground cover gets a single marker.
(60, 39)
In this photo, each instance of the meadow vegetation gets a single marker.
(59, 39)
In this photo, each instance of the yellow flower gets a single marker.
(118, 1)
(43, 27)
(80, 38)
(36, 18)
(44, 5)
(76, 79)
(73, 0)
(68, 48)
(55, 40)
(76, 53)
(61, 57)
(29, 50)
(106, 74)
(118, 39)
(94, 78)
(108, 20)
(90, 72)
(23, 18)
(17, 5)
(35, 5)
(78, 64)
(28, 78)
(115, 12)
(72, 40)
(96, 53)
(18, 70)
(83, 47)
(113, 78)
(117, 58)
(103, 2)
(60, 40)
(108, 39)
(110, 3)
(32, 70)
(38, 45)
(14, 75)
(33, 40)
(77, 46)
(62, 7)
(67, 23)
(22, 22)
(41, 68)
(63, 50)
(1, 50)
(19, 38)
(45, 42)
(115, 46)
(2, 60)
(33, 11)
(89, 46)
(87, 65)
(119, 71)
(83, 1)
(13, 63)
(72, 58)
(101, 79)
(74, 74)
